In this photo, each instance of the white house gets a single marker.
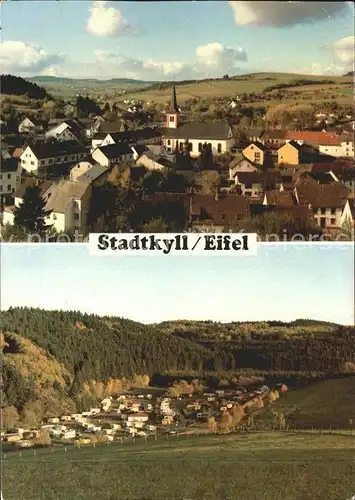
(241, 164)
(68, 130)
(67, 201)
(112, 154)
(10, 175)
(149, 163)
(347, 216)
(137, 417)
(36, 156)
(28, 126)
(80, 168)
(327, 201)
(343, 147)
(68, 434)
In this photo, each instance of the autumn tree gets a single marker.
(237, 413)
(9, 417)
(226, 422)
(212, 425)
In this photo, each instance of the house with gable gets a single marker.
(241, 164)
(112, 153)
(254, 184)
(209, 213)
(256, 152)
(29, 126)
(327, 201)
(66, 201)
(36, 156)
(10, 175)
(291, 153)
(68, 130)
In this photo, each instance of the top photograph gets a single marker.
(173, 117)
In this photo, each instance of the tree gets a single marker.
(32, 413)
(30, 418)
(31, 214)
(245, 122)
(225, 423)
(278, 116)
(155, 226)
(9, 417)
(237, 413)
(212, 425)
(206, 161)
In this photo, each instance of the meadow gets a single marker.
(327, 404)
(250, 466)
(161, 92)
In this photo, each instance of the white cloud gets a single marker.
(212, 60)
(20, 57)
(219, 59)
(105, 20)
(165, 68)
(343, 49)
(284, 13)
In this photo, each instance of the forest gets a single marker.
(56, 355)
(16, 85)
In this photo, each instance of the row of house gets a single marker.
(329, 143)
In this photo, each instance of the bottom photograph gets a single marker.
(177, 378)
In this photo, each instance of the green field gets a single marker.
(325, 404)
(67, 88)
(250, 466)
(188, 90)
(231, 88)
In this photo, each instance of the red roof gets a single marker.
(312, 137)
(17, 153)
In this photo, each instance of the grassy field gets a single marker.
(267, 466)
(209, 89)
(323, 404)
(68, 88)
(230, 88)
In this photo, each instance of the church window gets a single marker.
(171, 118)
(219, 148)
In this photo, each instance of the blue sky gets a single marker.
(162, 40)
(282, 282)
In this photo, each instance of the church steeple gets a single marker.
(174, 105)
(173, 111)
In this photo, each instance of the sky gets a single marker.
(181, 40)
(282, 282)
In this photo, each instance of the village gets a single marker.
(222, 174)
(147, 414)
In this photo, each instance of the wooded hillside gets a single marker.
(71, 356)
(16, 85)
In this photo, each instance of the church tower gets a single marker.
(172, 115)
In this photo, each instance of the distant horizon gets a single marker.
(231, 77)
(178, 320)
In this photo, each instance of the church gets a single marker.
(176, 135)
